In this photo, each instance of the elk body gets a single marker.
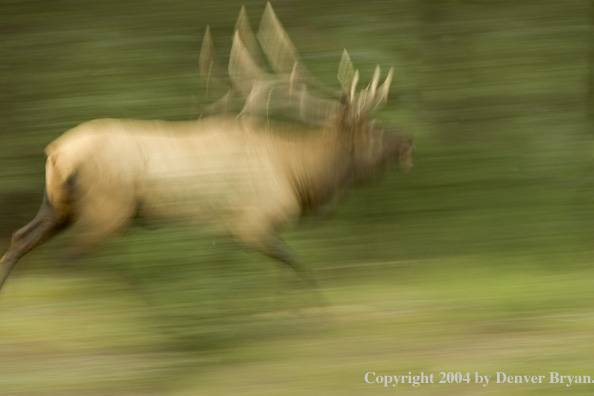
(243, 175)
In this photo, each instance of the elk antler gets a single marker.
(286, 90)
(282, 54)
(290, 88)
(214, 78)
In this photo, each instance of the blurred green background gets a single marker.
(480, 259)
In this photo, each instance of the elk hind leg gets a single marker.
(46, 224)
(99, 218)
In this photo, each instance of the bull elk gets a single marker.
(240, 172)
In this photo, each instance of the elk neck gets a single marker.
(317, 166)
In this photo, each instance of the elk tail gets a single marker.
(60, 177)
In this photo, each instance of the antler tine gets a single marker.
(366, 100)
(282, 54)
(243, 69)
(375, 80)
(354, 82)
(243, 27)
(276, 44)
(346, 72)
(253, 83)
(382, 94)
(209, 68)
(206, 54)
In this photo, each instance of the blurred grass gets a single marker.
(478, 260)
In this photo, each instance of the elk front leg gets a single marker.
(275, 248)
(42, 228)
(268, 244)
